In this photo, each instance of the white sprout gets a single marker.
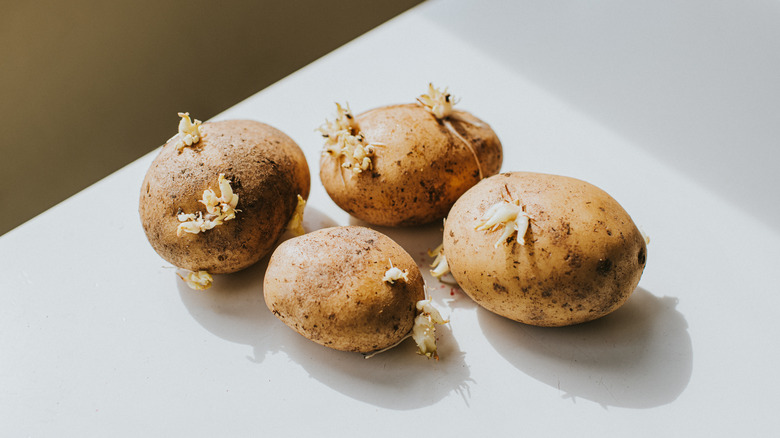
(511, 216)
(189, 131)
(343, 124)
(394, 274)
(295, 225)
(645, 236)
(344, 140)
(439, 265)
(219, 209)
(199, 280)
(424, 330)
(439, 103)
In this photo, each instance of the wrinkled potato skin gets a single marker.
(327, 285)
(582, 258)
(421, 170)
(266, 169)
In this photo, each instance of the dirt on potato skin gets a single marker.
(583, 255)
(420, 167)
(267, 170)
(328, 286)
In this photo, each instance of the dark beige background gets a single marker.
(88, 86)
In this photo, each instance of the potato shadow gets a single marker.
(234, 308)
(398, 379)
(640, 356)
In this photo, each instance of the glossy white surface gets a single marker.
(669, 108)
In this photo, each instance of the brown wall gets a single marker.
(87, 86)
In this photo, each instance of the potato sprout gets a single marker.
(199, 280)
(511, 216)
(440, 103)
(424, 331)
(645, 236)
(343, 139)
(344, 123)
(439, 265)
(219, 209)
(295, 225)
(394, 274)
(189, 131)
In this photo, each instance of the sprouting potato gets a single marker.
(542, 249)
(219, 195)
(351, 289)
(406, 164)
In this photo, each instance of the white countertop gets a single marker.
(672, 109)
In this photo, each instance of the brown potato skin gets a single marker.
(421, 170)
(582, 259)
(327, 285)
(267, 170)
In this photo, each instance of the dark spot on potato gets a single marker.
(604, 266)
(642, 257)
(574, 259)
(499, 288)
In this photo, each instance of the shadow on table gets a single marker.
(398, 378)
(234, 309)
(640, 356)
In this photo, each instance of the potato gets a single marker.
(262, 166)
(580, 257)
(348, 288)
(406, 164)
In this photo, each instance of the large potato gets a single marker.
(331, 286)
(408, 166)
(264, 168)
(581, 258)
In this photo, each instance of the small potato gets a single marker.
(406, 164)
(184, 205)
(347, 288)
(542, 249)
